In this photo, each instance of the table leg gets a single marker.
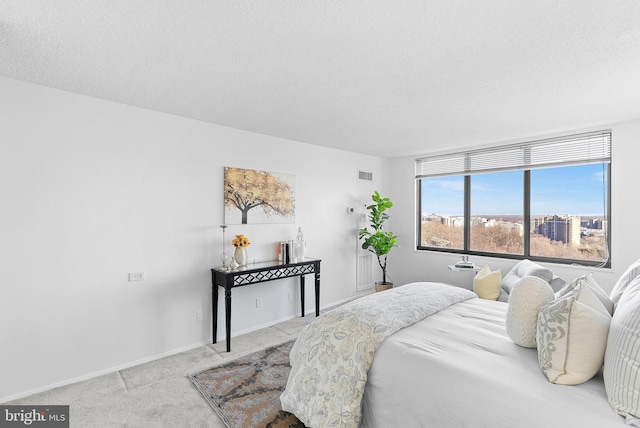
(214, 307)
(227, 311)
(317, 284)
(302, 294)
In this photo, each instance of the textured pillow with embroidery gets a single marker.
(525, 300)
(572, 336)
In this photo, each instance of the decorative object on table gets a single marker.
(465, 263)
(279, 251)
(379, 242)
(223, 257)
(246, 391)
(284, 252)
(299, 246)
(290, 248)
(233, 264)
(271, 193)
(241, 256)
(241, 243)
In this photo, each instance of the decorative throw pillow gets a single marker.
(525, 268)
(588, 281)
(487, 284)
(629, 275)
(622, 357)
(572, 336)
(525, 300)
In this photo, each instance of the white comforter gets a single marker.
(331, 358)
(458, 368)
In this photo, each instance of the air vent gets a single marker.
(365, 175)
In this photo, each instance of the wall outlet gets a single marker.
(258, 303)
(198, 316)
(136, 276)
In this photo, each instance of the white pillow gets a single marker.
(525, 268)
(622, 358)
(572, 336)
(629, 275)
(487, 284)
(525, 300)
(590, 282)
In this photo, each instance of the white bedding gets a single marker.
(332, 355)
(458, 368)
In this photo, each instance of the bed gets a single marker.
(386, 360)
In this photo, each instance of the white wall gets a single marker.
(92, 190)
(407, 264)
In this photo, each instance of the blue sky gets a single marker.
(576, 190)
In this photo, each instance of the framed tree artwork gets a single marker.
(252, 196)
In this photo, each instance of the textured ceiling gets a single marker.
(386, 78)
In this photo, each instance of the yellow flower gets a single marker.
(240, 241)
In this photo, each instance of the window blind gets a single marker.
(578, 149)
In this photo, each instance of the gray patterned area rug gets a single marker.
(246, 392)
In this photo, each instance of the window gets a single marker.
(443, 212)
(496, 213)
(545, 200)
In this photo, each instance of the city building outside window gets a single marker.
(545, 200)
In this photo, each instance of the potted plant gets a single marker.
(378, 241)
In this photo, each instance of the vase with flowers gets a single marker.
(241, 243)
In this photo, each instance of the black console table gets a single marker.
(255, 273)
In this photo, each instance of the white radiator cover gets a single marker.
(364, 261)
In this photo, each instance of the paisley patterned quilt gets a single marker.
(331, 358)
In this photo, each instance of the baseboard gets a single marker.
(162, 355)
(104, 372)
(311, 312)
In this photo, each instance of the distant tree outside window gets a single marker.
(547, 214)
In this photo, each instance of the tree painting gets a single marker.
(269, 196)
